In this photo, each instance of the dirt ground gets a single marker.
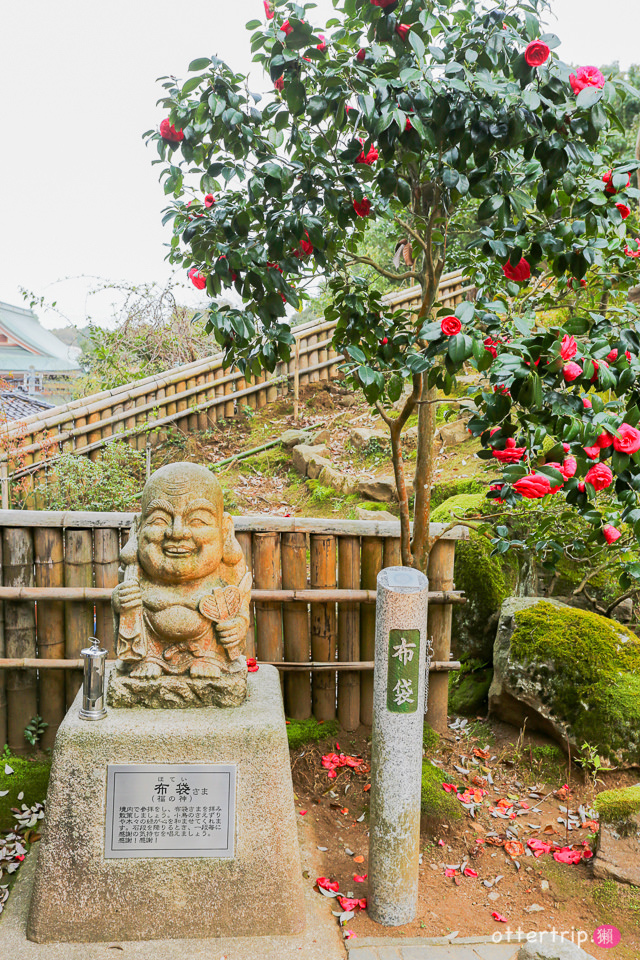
(532, 894)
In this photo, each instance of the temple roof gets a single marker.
(26, 345)
(16, 405)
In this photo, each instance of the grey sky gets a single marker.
(78, 194)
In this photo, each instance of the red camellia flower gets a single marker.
(611, 534)
(382, 3)
(286, 28)
(197, 279)
(497, 488)
(268, 9)
(362, 207)
(209, 200)
(623, 209)
(586, 77)
(568, 348)
(252, 666)
(608, 177)
(361, 55)
(305, 249)
(450, 326)
(519, 273)
(569, 467)
(599, 476)
(533, 486)
(169, 132)
(384, 341)
(572, 280)
(536, 53)
(586, 403)
(633, 253)
(612, 356)
(321, 46)
(571, 371)
(559, 468)
(403, 31)
(279, 84)
(628, 440)
(370, 157)
(490, 344)
(511, 453)
(327, 884)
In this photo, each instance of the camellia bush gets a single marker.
(419, 113)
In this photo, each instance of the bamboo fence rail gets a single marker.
(192, 397)
(312, 609)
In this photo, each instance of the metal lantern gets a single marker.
(94, 657)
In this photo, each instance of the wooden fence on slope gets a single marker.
(313, 610)
(191, 397)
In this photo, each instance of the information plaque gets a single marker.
(170, 810)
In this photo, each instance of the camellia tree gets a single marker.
(418, 112)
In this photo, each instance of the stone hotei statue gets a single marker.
(183, 606)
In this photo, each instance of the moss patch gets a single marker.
(587, 668)
(30, 776)
(430, 739)
(435, 802)
(452, 488)
(300, 732)
(469, 691)
(615, 806)
(486, 581)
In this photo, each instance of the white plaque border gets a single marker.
(112, 853)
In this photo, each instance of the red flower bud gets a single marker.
(536, 53)
(384, 341)
(268, 9)
(450, 326)
(362, 207)
(571, 371)
(599, 476)
(568, 348)
(519, 273)
(403, 31)
(209, 200)
(169, 132)
(361, 55)
(197, 279)
(279, 84)
(611, 534)
(624, 210)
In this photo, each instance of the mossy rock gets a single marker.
(469, 691)
(300, 732)
(447, 489)
(569, 672)
(30, 777)
(436, 805)
(485, 580)
(618, 806)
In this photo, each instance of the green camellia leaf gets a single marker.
(588, 97)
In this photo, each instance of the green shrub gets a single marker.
(109, 483)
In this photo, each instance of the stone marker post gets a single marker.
(399, 692)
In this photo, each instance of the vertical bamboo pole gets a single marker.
(267, 572)
(313, 358)
(3, 673)
(371, 562)
(303, 353)
(392, 556)
(49, 564)
(244, 538)
(349, 633)
(20, 636)
(191, 402)
(229, 407)
(262, 394)
(78, 615)
(271, 393)
(4, 479)
(203, 420)
(106, 552)
(94, 435)
(297, 686)
(323, 625)
(441, 561)
(296, 383)
(219, 407)
(251, 399)
(323, 354)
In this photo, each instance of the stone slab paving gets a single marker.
(431, 948)
(443, 948)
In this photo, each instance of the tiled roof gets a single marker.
(15, 405)
(33, 346)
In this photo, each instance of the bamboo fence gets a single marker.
(191, 397)
(312, 610)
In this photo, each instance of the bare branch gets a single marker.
(397, 277)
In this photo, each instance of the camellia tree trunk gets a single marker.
(424, 116)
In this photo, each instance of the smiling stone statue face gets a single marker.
(183, 604)
(181, 529)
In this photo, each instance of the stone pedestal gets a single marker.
(79, 895)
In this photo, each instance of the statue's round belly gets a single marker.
(177, 623)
